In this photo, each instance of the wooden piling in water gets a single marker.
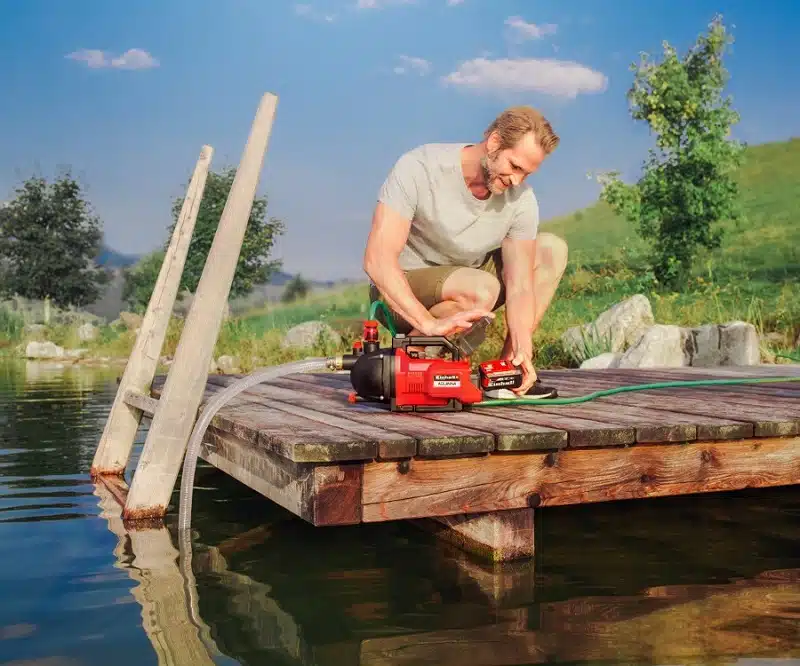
(154, 478)
(114, 448)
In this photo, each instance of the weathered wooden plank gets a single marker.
(786, 391)
(390, 444)
(768, 420)
(580, 432)
(678, 396)
(287, 434)
(509, 435)
(433, 438)
(425, 488)
(654, 424)
(319, 494)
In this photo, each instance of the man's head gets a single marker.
(517, 141)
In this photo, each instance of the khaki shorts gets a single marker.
(426, 285)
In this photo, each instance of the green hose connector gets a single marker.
(373, 310)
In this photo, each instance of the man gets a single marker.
(455, 236)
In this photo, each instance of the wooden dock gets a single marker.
(480, 474)
(475, 477)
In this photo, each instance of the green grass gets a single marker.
(753, 277)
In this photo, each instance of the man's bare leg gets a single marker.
(550, 264)
(466, 289)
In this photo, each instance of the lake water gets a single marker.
(708, 579)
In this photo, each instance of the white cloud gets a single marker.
(378, 4)
(521, 29)
(131, 59)
(453, 3)
(308, 11)
(560, 78)
(413, 64)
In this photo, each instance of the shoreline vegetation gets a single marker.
(752, 277)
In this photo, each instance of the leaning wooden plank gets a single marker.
(168, 435)
(425, 488)
(319, 494)
(580, 432)
(433, 438)
(122, 423)
(298, 404)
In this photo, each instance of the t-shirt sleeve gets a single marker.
(400, 189)
(525, 223)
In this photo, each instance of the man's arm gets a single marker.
(386, 239)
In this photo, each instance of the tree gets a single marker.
(296, 288)
(253, 266)
(49, 240)
(140, 279)
(688, 187)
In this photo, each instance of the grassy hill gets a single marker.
(766, 245)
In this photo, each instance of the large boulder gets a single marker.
(616, 329)
(660, 346)
(308, 334)
(734, 343)
(46, 349)
(602, 361)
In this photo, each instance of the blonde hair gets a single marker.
(514, 123)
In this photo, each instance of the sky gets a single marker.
(126, 94)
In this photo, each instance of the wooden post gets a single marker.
(499, 536)
(174, 419)
(115, 445)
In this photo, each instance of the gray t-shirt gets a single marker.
(449, 225)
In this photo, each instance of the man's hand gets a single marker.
(522, 358)
(456, 323)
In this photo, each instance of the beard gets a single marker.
(490, 175)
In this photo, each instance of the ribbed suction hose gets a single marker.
(214, 405)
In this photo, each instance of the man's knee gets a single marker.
(472, 288)
(552, 252)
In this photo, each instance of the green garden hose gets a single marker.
(500, 402)
(544, 402)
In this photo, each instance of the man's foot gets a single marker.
(536, 392)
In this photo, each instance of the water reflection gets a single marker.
(704, 580)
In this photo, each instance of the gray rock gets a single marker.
(43, 350)
(603, 361)
(87, 331)
(309, 333)
(615, 330)
(228, 365)
(660, 346)
(734, 343)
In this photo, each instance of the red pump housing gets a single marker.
(421, 383)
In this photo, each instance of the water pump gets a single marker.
(408, 379)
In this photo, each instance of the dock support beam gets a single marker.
(169, 433)
(116, 442)
(499, 536)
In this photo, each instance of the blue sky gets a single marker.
(127, 93)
